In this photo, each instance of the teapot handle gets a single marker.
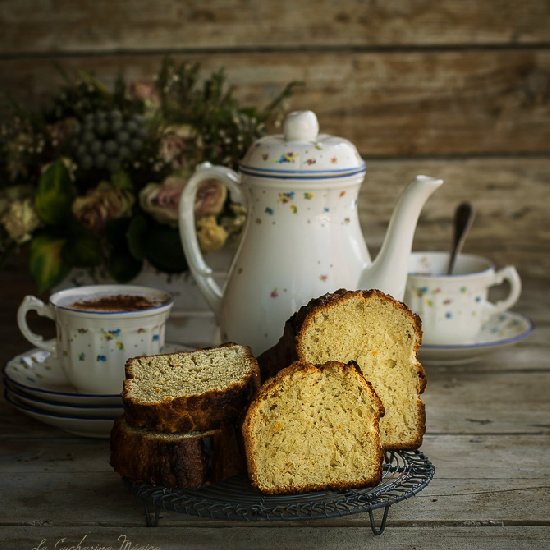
(202, 273)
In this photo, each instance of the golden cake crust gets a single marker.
(177, 461)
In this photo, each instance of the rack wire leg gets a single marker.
(379, 530)
(152, 514)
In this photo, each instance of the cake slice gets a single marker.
(190, 391)
(382, 335)
(175, 460)
(314, 427)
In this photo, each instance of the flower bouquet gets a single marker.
(93, 178)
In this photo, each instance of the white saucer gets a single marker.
(15, 395)
(502, 330)
(39, 375)
(97, 427)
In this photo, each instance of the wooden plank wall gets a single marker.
(452, 88)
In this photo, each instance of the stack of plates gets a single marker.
(36, 385)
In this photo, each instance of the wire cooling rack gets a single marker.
(405, 473)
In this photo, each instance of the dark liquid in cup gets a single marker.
(116, 303)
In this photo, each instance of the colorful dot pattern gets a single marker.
(319, 208)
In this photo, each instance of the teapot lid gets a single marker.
(302, 153)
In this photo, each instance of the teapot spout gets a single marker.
(389, 271)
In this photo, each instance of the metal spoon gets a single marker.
(462, 222)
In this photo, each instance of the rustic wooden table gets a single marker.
(488, 436)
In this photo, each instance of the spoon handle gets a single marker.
(463, 218)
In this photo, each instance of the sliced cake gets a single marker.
(382, 335)
(189, 391)
(175, 460)
(314, 427)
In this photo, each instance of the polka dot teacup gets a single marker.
(98, 328)
(454, 307)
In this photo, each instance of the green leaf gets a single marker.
(46, 262)
(116, 230)
(137, 232)
(163, 249)
(54, 196)
(122, 266)
(83, 249)
(121, 180)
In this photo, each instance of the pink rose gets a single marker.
(161, 200)
(176, 146)
(101, 204)
(147, 92)
(211, 196)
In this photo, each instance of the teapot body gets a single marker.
(302, 239)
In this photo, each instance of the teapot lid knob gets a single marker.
(301, 126)
(302, 153)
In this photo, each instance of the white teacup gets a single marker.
(98, 328)
(454, 307)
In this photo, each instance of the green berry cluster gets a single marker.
(109, 140)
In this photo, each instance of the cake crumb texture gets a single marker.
(379, 333)
(186, 391)
(159, 377)
(314, 427)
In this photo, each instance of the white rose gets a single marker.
(20, 220)
(14, 193)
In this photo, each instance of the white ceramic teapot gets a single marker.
(302, 236)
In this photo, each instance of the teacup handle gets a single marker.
(31, 303)
(509, 274)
